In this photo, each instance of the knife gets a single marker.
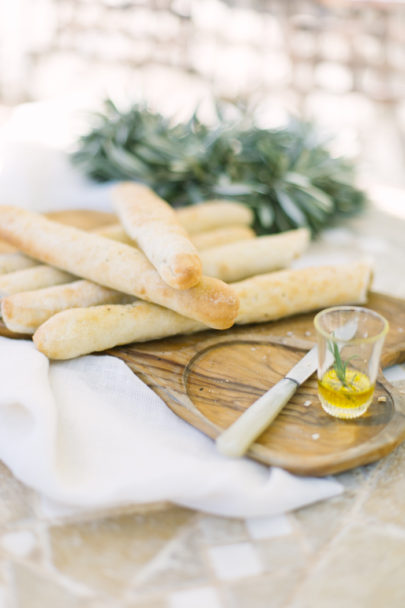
(237, 438)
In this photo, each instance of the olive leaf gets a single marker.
(286, 176)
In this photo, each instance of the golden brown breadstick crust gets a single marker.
(263, 298)
(114, 265)
(25, 312)
(154, 226)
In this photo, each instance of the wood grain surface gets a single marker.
(210, 378)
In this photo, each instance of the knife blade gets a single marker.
(237, 438)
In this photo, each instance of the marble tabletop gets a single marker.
(346, 551)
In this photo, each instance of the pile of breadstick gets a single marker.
(156, 273)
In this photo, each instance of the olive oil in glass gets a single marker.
(348, 368)
(347, 399)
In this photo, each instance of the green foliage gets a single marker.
(287, 176)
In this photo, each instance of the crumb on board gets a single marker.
(382, 399)
(307, 403)
(315, 435)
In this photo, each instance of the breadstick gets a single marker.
(10, 262)
(207, 215)
(6, 247)
(236, 261)
(153, 225)
(201, 240)
(221, 236)
(15, 260)
(25, 312)
(32, 278)
(226, 217)
(114, 265)
(289, 292)
(94, 329)
(262, 298)
(214, 214)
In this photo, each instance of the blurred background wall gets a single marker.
(340, 62)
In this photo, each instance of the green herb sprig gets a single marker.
(286, 176)
(339, 365)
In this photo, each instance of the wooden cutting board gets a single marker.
(210, 378)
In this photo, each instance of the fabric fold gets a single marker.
(88, 434)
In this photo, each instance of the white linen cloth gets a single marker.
(87, 434)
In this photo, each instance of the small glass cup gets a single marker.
(350, 340)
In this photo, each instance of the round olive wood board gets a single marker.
(210, 378)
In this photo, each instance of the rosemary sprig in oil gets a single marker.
(339, 365)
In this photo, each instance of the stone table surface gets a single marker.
(346, 551)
